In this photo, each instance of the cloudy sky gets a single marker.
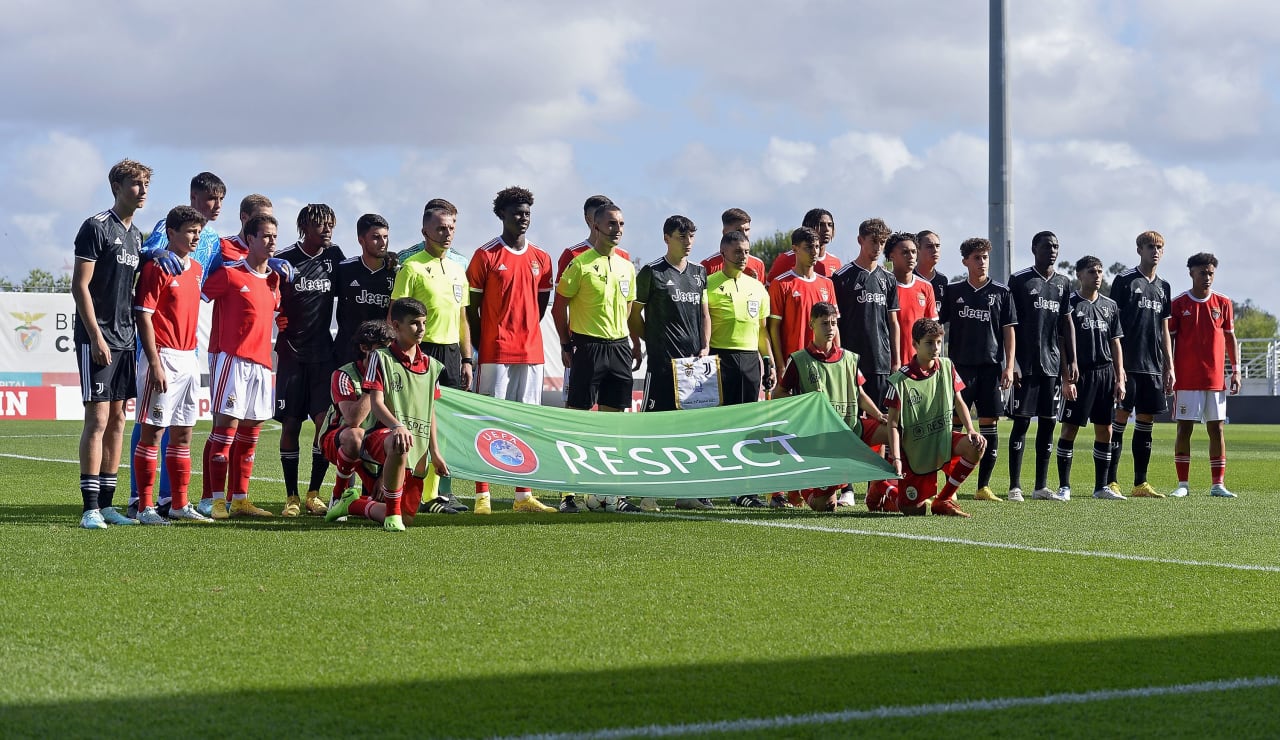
(1126, 115)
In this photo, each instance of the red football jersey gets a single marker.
(244, 307)
(571, 253)
(754, 268)
(507, 285)
(826, 265)
(915, 301)
(173, 302)
(790, 299)
(1199, 329)
(233, 248)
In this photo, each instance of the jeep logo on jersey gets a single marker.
(506, 452)
(753, 309)
(311, 285)
(457, 292)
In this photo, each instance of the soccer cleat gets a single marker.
(1179, 492)
(163, 508)
(706, 504)
(530, 505)
(569, 504)
(1145, 490)
(1064, 493)
(131, 510)
(187, 512)
(218, 511)
(748, 502)
(878, 496)
(847, 498)
(205, 507)
(395, 523)
(985, 494)
(483, 505)
(313, 504)
(340, 507)
(1106, 492)
(948, 508)
(1048, 494)
(1220, 491)
(111, 516)
(620, 505)
(245, 507)
(779, 501)
(649, 504)
(694, 504)
(1114, 486)
(438, 505)
(92, 519)
(455, 503)
(292, 507)
(1015, 494)
(149, 515)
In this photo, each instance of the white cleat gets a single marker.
(1220, 491)
(1109, 493)
(1179, 492)
(1048, 494)
(189, 513)
(1015, 494)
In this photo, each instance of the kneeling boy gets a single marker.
(921, 397)
(349, 419)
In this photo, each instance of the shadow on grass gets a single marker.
(611, 698)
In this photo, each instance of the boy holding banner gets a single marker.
(403, 383)
(824, 367)
(921, 397)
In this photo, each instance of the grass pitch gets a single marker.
(516, 624)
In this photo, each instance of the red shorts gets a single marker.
(869, 427)
(329, 444)
(374, 447)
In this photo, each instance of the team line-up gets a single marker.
(866, 335)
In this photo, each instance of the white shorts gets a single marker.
(1200, 405)
(178, 406)
(521, 383)
(241, 389)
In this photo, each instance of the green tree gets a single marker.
(768, 248)
(1253, 322)
(38, 281)
(62, 284)
(7, 285)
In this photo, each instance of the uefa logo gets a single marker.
(506, 452)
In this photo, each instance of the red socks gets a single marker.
(146, 460)
(217, 450)
(1217, 469)
(1182, 466)
(242, 452)
(360, 507)
(960, 469)
(178, 460)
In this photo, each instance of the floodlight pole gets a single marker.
(1000, 191)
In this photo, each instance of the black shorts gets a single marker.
(1095, 398)
(601, 373)
(116, 381)
(659, 387)
(302, 387)
(876, 387)
(449, 355)
(982, 389)
(740, 372)
(1144, 393)
(1036, 395)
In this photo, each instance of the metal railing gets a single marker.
(1259, 374)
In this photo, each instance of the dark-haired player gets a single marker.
(510, 283)
(916, 297)
(825, 263)
(670, 314)
(982, 317)
(920, 440)
(207, 193)
(106, 249)
(1092, 398)
(304, 349)
(735, 219)
(363, 284)
(1143, 299)
(1202, 326)
(403, 386)
(245, 297)
(350, 416)
(1045, 350)
(167, 308)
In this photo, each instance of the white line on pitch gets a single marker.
(907, 712)
(976, 543)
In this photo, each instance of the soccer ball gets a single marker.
(594, 502)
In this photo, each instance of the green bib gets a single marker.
(333, 417)
(410, 396)
(925, 417)
(838, 381)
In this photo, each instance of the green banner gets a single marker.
(777, 445)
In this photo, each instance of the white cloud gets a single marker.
(64, 170)
(788, 162)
